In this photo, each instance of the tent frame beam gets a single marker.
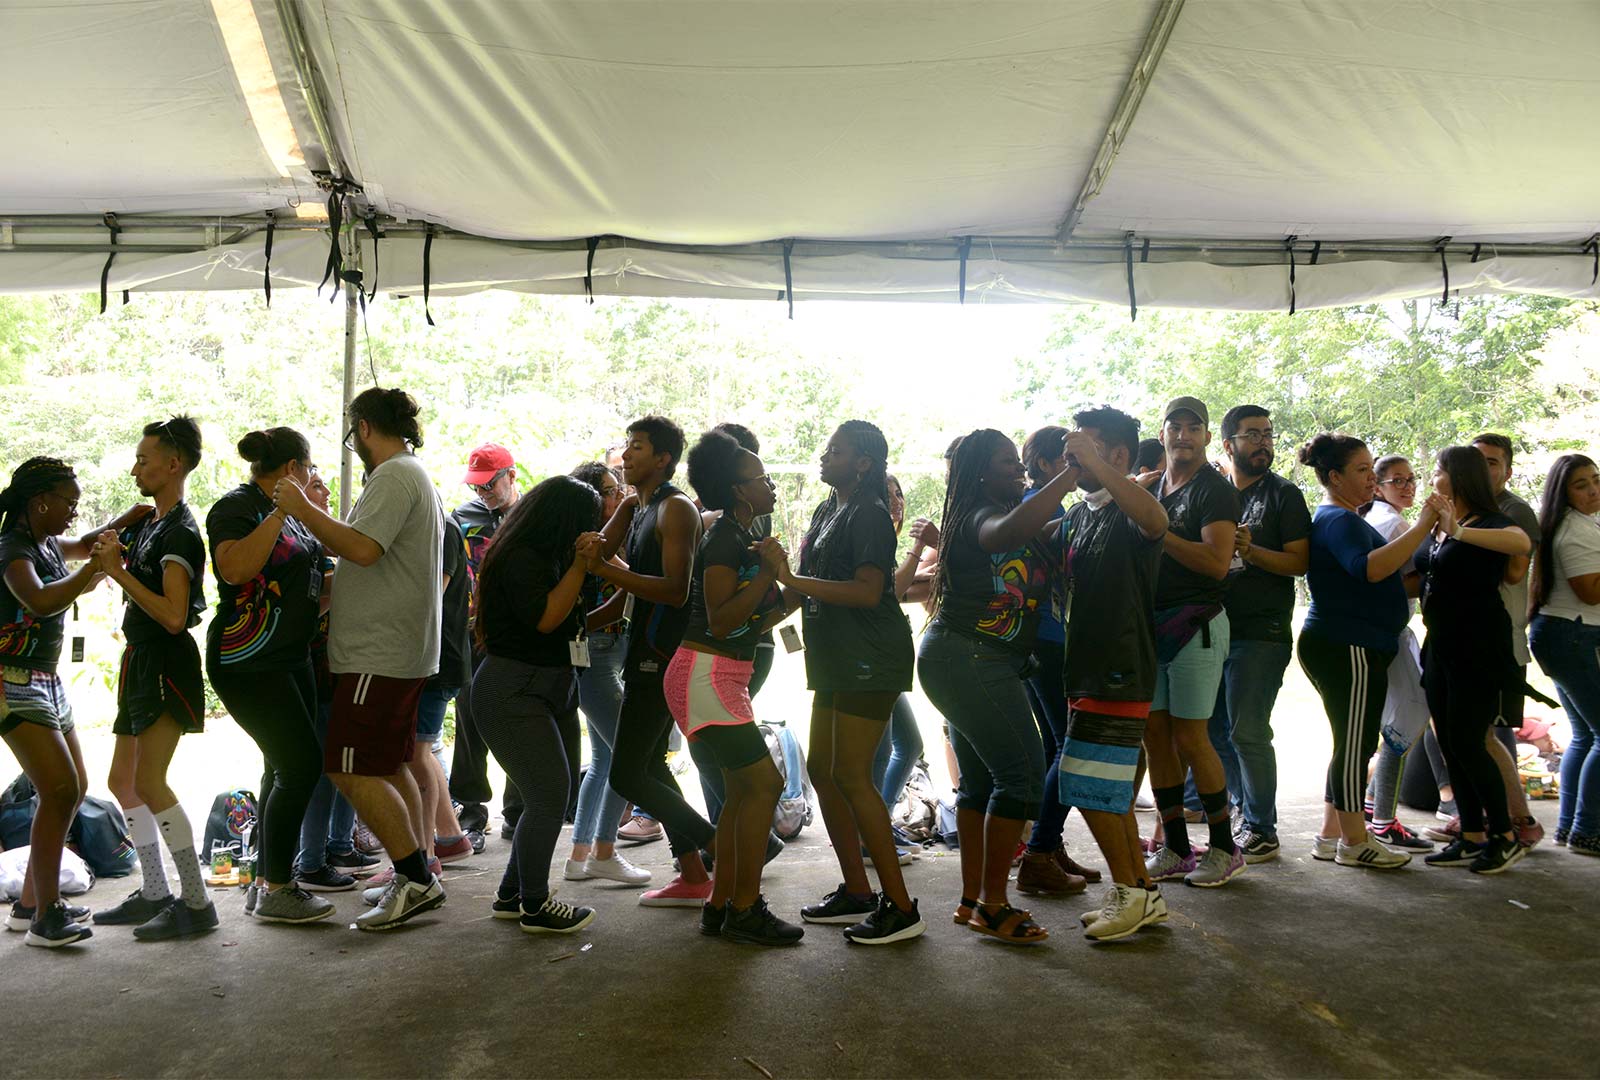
(1144, 69)
(312, 89)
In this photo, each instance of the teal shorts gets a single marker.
(1186, 686)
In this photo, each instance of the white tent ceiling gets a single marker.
(884, 139)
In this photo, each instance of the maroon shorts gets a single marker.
(372, 728)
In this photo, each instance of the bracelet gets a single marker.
(1455, 533)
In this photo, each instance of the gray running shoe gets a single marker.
(291, 905)
(401, 901)
(1217, 867)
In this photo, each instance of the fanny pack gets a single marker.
(1176, 626)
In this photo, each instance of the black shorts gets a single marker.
(160, 677)
(871, 704)
(735, 746)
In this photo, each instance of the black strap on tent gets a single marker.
(1144, 252)
(372, 228)
(266, 271)
(1444, 268)
(427, 270)
(1477, 249)
(963, 249)
(1288, 245)
(588, 269)
(1133, 299)
(334, 267)
(1593, 248)
(788, 274)
(1316, 252)
(105, 271)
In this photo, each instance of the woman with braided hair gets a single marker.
(993, 577)
(38, 507)
(858, 663)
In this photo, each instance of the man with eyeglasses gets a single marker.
(1272, 547)
(492, 476)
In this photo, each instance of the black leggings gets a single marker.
(639, 771)
(1352, 682)
(469, 770)
(278, 710)
(1464, 704)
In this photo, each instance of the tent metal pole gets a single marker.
(311, 87)
(352, 301)
(1144, 69)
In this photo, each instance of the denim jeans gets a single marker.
(600, 697)
(330, 819)
(1241, 729)
(898, 752)
(1049, 702)
(1569, 652)
(979, 689)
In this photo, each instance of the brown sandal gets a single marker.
(1008, 924)
(964, 910)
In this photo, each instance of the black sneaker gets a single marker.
(774, 847)
(554, 917)
(757, 925)
(1497, 856)
(476, 838)
(136, 910)
(504, 908)
(355, 863)
(1257, 847)
(1457, 852)
(21, 918)
(52, 928)
(1396, 837)
(178, 919)
(840, 907)
(325, 879)
(887, 925)
(711, 919)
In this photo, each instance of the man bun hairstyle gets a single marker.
(1328, 452)
(390, 411)
(273, 448)
(181, 437)
(665, 436)
(714, 469)
(1116, 429)
(32, 478)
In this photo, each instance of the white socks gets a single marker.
(179, 836)
(147, 842)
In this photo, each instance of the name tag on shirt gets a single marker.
(578, 649)
(813, 606)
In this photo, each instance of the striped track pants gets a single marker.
(1352, 681)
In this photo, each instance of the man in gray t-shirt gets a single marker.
(383, 640)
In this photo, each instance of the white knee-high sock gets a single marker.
(179, 835)
(147, 842)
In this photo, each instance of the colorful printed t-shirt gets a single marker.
(26, 640)
(268, 622)
(995, 597)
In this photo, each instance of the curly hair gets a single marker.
(714, 469)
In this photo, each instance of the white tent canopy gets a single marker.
(1247, 154)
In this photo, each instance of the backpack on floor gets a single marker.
(794, 804)
(231, 821)
(947, 823)
(100, 835)
(16, 813)
(917, 811)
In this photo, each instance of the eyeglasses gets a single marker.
(1400, 481)
(1255, 438)
(484, 489)
(350, 439)
(72, 504)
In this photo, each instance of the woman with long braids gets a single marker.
(530, 627)
(1467, 658)
(993, 577)
(36, 509)
(160, 689)
(269, 569)
(858, 662)
(733, 601)
(1565, 637)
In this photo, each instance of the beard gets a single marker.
(1256, 464)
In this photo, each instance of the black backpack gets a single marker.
(99, 834)
(233, 814)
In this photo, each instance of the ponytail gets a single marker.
(270, 450)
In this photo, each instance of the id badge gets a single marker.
(627, 607)
(77, 650)
(578, 649)
(791, 639)
(813, 607)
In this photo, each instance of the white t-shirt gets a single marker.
(1392, 525)
(1577, 552)
(385, 617)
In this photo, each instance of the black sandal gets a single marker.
(1008, 924)
(964, 910)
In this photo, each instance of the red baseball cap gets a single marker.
(485, 461)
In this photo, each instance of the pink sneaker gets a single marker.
(677, 893)
(455, 852)
(1529, 832)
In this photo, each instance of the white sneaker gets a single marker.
(1126, 912)
(615, 868)
(402, 900)
(575, 871)
(1370, 854)
(1111, 902)
(1324, 848)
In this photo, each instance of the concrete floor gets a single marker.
(1297, 968)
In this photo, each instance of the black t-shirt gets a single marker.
(849, 648)
(1110, 618)
(1260, 604)
(267, 623)
(455, 647)
(655, 630)
(1206, 498)
(1468, 626)
(27, 641)
(992, 597)
(726, 544)
(150, 545)
(519, 582)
